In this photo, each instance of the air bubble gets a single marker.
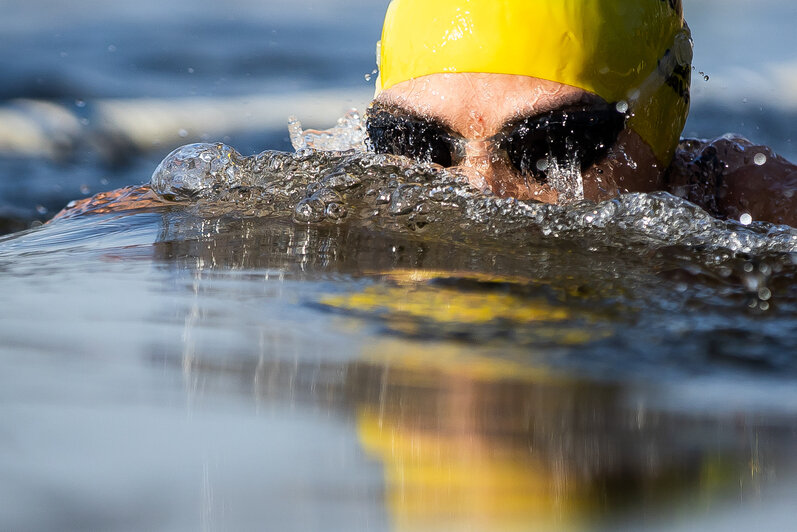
(622, 106)
(196, 169)
(760, 159)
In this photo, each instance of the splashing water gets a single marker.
(566, 178)
(394, 193)
(348, 134)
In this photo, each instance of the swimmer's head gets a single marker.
(635, 54)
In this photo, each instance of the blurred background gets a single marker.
(93, 93)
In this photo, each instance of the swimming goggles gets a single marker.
(533, 145)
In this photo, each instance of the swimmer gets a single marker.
(513, 94)
(509, 92)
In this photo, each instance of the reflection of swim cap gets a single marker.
(638, 51)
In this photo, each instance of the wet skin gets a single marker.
(720, 175)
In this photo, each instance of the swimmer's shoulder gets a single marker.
(730, 176)
(127, 199)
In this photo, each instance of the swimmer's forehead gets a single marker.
(481, 103)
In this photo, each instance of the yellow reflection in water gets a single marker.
(447, 466)
(471, 441)
(440, 304)
(413, 297)
(460, 482)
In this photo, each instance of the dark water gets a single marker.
(340, 345)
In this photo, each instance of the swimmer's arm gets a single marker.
(732, 176)
(128, 199)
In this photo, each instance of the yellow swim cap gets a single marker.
(633, 51)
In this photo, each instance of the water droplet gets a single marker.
(309, 210)
(296, 133)
(542, 165)
(746, 219)
(335, 211)
(764, 294)
(41, 209)
(85, 190)
(622, 106)
(404, 199)
(760, 159)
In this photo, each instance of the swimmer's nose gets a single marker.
(479, 157)
(487, 168)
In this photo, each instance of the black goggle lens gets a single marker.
(417, 139)
(560, 137)
(583, 135)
